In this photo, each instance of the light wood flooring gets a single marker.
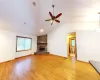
(47, 67)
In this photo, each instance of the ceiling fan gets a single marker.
(53, 17)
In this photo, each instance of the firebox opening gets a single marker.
(41, 49)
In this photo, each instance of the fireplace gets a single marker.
(42, 45)
(42, 49)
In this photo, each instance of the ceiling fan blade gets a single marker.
(58, 15)
(57, 21)
(48, 20)
(51, 14)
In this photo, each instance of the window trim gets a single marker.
(17, 42)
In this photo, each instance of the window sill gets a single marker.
(24, 50)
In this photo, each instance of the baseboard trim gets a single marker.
(83, 61)
(6, 61)
(24, 56)
(16, 58)
(59, 56)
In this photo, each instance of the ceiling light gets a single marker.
(41, 30)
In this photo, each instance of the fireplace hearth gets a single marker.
(42, 45)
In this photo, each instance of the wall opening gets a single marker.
(71, 45)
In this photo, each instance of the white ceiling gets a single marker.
(14, 13)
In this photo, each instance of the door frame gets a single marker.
(72, 38)
(75, 44)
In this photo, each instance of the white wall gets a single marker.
(88, 45)
(8, 45)
(57, 41)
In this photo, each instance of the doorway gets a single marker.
(71, 44)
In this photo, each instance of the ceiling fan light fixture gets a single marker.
(51, 21)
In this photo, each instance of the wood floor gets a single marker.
(47, 67)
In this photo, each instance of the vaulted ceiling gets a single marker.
(22, 16)
(78, 14)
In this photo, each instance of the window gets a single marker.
(23, 43)
(73, 42)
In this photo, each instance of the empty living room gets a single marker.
(49, 39)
